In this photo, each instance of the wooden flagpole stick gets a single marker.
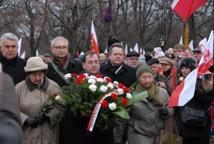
(186, 35)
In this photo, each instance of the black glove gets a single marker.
(34, 121)
(164, 112)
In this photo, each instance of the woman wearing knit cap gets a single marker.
(32, 94)
(147, 116)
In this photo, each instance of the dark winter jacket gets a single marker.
(14, 67)
(201, 100)
(125, 75)
(10, 125)
(70, 130)
(72, 66)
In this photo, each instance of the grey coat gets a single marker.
(146, 124)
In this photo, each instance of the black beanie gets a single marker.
(188, 62)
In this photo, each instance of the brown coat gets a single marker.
(30, 102)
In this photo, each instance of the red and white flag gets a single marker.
(94, 42)
(207, 51)
(185, 8)
(181, 41)
(186, 90)
(191, 47)
(19, 46)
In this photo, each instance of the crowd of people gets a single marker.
(25, 86)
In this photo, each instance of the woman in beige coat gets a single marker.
(32, 93)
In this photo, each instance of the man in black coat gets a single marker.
(116, 68)
(61, 64)
(11, 63)
(10, 125)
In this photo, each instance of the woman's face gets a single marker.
(37, 77)
(146, 79)
(185, 71)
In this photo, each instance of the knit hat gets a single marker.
(142, 69)
(188, 62)
(35, 64)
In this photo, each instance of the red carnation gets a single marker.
(80, 79)
(108, 79)
(82, 76)
(99, 76)
(104, 104)
(114, 96)
(125, 89)
(124, 101)
(121, 86)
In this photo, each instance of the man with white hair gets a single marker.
(62, 64)
(11, 63)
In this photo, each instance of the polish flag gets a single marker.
(185, 8)
(136, 48)
(94, 43)
(207, 51)
(19, 47)
(181, 41)
(185, 91)
(23, 55)
(191, 45)
(126, 49)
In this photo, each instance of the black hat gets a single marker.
(188, 62)
(153, 61)
(132, 53)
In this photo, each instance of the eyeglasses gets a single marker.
(10, 46)
(60, 47)
(93, 62)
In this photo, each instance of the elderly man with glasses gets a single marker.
(62, 64)
(11, 63)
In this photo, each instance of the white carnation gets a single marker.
(110, 85)
(67, 76)
(93, 87)
(112, 106)
(92, 77)
(181, 78)
(120, 91)
(91, 81)
(100, 80)
(103, 88)
(115, 83)
(128, 95)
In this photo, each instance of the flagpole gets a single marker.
(186, 34)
